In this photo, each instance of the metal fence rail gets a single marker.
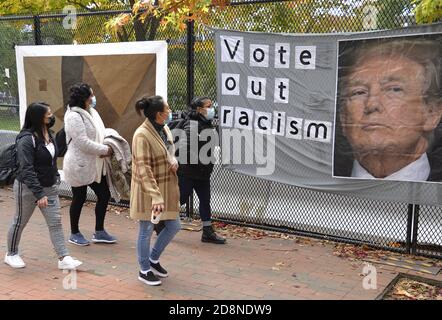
(192, 72)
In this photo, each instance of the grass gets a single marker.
(9, 121)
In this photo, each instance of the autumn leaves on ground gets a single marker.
(404, 289)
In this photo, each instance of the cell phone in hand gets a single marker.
(156, 217)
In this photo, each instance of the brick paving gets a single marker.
(269, 268)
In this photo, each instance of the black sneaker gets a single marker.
(158, 270)
(149, 278)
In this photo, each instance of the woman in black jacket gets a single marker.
(37, 184)
(195, 175)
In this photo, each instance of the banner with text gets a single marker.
(358, 114)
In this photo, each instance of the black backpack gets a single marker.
(60, 140)
(8, 163)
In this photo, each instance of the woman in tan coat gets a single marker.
(154, 186)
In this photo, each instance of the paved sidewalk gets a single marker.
(269, 268)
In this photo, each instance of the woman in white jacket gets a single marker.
(83, 163)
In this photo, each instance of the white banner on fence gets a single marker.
(357, 114)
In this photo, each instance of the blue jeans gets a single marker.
(171, 228)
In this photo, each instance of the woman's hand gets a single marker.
(109, 153)
(43, 202)
(158, 208)
(174, 167)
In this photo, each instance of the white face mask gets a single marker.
(93, 102)
(169, 118)
(210, 113)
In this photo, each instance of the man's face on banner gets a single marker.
(384, 109)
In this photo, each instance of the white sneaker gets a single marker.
(68, 263)
(15, 261)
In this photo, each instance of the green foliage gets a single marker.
(10, 35)
(313, 16)
(9, 120)
(301, 16)
(428, 11)
(18, 7)
(392, 13)
(14, 7)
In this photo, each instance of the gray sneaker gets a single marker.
(78, 239)
(103, 237)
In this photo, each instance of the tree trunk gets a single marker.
(140, 32)
(154, 24)
(148, 29)
(122, 35)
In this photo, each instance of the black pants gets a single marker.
(202, 189)
(79, 197)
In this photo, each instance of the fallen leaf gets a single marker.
(407, 289)
(404, 293)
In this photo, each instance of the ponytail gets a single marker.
(150, 106)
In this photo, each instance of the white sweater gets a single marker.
(82, 164)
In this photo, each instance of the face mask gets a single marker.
(51, 121)
(93, 102)
(169, 118)
(210, 113)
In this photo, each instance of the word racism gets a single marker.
(232, 51)
(261, 122)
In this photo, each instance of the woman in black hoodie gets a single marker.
(37, 184)
(195, 175)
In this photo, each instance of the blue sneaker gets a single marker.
(103, 237)
(78, 239)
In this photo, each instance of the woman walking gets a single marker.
(196, 176)
(83, 164)
(154, 186)
(37, 184)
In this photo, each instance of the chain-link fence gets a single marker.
(192, 72)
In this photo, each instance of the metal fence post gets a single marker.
(190, 87)
(190, 61)
(415, 229)
(409, 227)
(37, 31)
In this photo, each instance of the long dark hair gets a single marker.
(150, 106)
(78, 94)
(34, 118)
